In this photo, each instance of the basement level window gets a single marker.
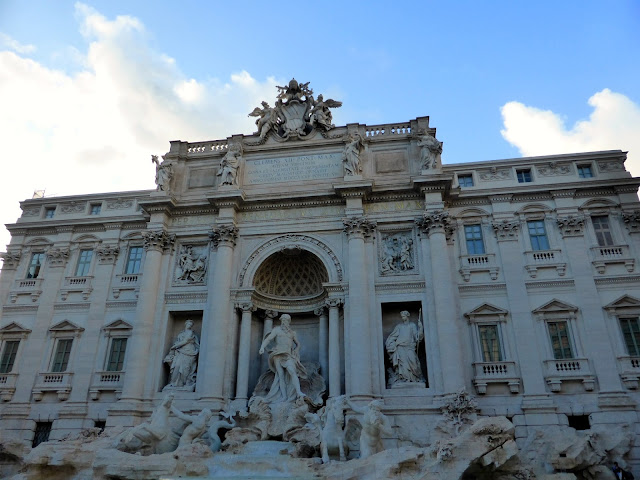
(579, 422)
(43, 429)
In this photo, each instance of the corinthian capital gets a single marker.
(506, 230)
(571, 226)
(436, 221)
(10, 259)
(158, 240)
(224, 235)
(359, 226)
(57, 257)
(632, 221)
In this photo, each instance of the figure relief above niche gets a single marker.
(396, 253)
(191, 265)
(183, 350)
(405, 359)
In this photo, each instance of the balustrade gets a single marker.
(495, 372)
(478, 263)
(558, 371)
(609, 255)
(58, 382)
(390, 129)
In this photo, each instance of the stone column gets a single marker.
(334, 346)
(156, 243)
(214, 329)
(438, 225)
(360, 384)
(244, 350)
(10, 260)
(323, 337)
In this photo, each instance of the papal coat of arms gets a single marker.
(296, 113)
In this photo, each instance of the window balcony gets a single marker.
(53, 382)
(126, 282)
(485, 373)
(27, 286)
(572, 369)
(7, 385)
(630, 371)
(537, 259)
(615, 254)
(106, 382)
(478, 263)
(80, 285)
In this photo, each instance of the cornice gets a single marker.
(623, 279)
(71, 306)
(405, 286)
(126, 304)
(19, 308)
(484, 287)
(186, 297)
(550, 284)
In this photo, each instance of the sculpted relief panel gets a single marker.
(397, 253)
(191, 265)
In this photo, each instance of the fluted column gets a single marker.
(323, 337)
(156, 243)
(334, 346)
(242, 383)
(437, 225)
(214, 330)
(360, 383)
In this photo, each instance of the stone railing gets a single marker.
(603, 256)
(7, 385)
(106, 382)
(537, 259)
(213, 146)
(76, 284)
(495, 372)
(59, 382)
(557, 371)
(630, 371)
(389, 129)
(128, 281)
(478, 263)
(27, 286)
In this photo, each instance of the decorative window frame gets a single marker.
(104, 380)
(504, 371)
(535, 260)
(63, 330)
(11, 332)
(629, 366)
(562, 370)
(470, 263)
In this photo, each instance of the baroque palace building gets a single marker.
(520, 278)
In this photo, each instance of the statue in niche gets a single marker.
(191, 265)
(182, 359)
(402, 347)
(321, 115)
(430, 152)
(374, 425)
(397, 254)
(284, 361)
(268, 119)
(351, 155)
(153, 436)
(197, 425)
(229, 165)
(164, 172)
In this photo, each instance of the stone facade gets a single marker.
(521, 275)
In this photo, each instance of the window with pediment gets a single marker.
(624, 327)
(12, 338)
(63, 335)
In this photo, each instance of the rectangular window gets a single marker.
(95, 209)
(61, 358)
(490, 343)
(43, 429)
(631, 333)
(84, 262)
(559, 335)
(8, 357)
(116, 355)
(584, 171)
(602, 229)
(465, 180)
(49, 212)
(524, 175)
(37, 259)
(134, 261)
(473, 237)
(538, 235)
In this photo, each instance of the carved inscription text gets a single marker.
(293, 169)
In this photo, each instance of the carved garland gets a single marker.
(291, 239)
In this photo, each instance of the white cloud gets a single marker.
(8, 42)
(614, 124)
(94, 130)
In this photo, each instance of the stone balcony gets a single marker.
(478, 263)
(80, 285)
(615, 254)
(572, 369)
(485, 373)
(106, 382)
(539, 259)
(7, 385)
(28, 286)
(629, 371)
(126, 282)
(59, 383)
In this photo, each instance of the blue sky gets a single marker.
(89, 90)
